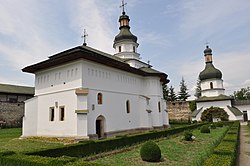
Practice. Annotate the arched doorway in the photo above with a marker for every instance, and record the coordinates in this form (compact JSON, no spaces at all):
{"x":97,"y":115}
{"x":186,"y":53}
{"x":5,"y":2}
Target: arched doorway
{"x":100,"y":126}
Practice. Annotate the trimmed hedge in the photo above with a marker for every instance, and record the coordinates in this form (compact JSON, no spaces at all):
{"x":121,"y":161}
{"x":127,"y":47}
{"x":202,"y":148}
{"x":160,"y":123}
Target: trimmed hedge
{"x":95,"y":147}
{"x":9,"y":159}
{"x":225,"y":153}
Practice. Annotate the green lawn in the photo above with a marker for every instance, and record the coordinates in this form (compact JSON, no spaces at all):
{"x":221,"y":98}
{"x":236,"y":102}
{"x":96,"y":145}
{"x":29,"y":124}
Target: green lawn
{"x":9,"y":141}
{"x":174,"y":151}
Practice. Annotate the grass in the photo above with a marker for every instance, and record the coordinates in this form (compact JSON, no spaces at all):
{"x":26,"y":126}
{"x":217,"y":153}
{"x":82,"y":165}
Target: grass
{"x":175,"y":151}
{"x":9,"y":141}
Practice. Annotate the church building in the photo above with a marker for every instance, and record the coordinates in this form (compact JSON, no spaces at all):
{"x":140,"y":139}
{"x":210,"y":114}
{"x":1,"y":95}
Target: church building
{"x":213,"y":92}
{"x":84,"y":93}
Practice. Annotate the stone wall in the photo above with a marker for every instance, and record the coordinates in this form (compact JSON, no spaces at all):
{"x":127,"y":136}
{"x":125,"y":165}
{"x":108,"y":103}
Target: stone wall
{"x":178,"y":110}
{"x":11,"y":114}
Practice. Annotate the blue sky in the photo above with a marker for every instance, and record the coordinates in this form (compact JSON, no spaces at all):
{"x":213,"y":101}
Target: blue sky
{"x":172,"y":35}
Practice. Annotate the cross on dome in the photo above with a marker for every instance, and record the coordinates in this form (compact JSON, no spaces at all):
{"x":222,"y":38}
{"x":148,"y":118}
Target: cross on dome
{"x":123,"y":7}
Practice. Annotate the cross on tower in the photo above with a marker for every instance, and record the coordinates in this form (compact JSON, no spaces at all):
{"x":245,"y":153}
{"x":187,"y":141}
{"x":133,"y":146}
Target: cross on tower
{"x":123,"y":7}
{"x":84,"y":36}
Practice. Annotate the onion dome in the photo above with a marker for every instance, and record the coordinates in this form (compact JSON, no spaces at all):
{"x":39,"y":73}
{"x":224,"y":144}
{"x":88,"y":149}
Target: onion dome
{"x":210,"y":72}
{"x":125,"y":33}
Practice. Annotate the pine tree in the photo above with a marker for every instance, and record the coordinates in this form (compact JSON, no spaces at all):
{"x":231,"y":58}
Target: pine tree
{"x":165,"y":91}
{"x":183,"y":93}
{"x":172,"y":95}
{"x":198,"y":89}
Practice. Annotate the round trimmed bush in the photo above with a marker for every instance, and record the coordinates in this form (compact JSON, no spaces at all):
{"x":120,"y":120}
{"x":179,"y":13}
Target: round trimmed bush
{"x":188,"y":136}
{"x":205,"y":129}
{"x":151,"y":152}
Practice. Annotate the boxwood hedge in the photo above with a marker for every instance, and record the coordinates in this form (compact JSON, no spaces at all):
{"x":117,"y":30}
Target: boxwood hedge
{"x":225,"y":153}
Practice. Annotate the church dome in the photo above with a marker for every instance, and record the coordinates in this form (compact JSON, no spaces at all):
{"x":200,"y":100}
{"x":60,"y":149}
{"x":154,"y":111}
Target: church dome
{"x":208,"y":51}
{"x":125,"y":34}
{"x":210,"y":72}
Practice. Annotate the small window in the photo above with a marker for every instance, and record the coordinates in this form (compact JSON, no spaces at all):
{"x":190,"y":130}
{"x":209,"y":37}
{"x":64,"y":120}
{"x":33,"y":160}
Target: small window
{"x":133,"y":48}
{"x":51,"y":113}
{"x":159,"y":106}
{"x":62,"y":113}
{"x":99,"y":98}
{"x":211,"y":85}
{"x":128,"y":106}
{"x":120,"y":49}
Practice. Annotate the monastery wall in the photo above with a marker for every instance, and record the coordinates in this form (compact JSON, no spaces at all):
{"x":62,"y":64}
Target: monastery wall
{"x":178,"y":110}
{"x":11,"y":114}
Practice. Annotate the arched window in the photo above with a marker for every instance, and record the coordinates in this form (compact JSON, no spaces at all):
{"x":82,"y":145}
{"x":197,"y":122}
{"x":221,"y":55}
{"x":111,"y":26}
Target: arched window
{"x":211,"y":85}
{"x":128,"y":106}
{"x":159,"y":106}
{"x":120,"y":49}
{"x":133,"y":48}
{"x":99,"y":98}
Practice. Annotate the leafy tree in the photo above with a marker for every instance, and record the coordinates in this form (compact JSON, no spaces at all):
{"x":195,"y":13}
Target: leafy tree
{"x":192,"y":105}
{"x":172,"y":95}
{"x":242,"y":94}
{"x":165,"y":92}
{"x":214,"y":112}
{"x":198,"y":89}
{"x":183,"y":93}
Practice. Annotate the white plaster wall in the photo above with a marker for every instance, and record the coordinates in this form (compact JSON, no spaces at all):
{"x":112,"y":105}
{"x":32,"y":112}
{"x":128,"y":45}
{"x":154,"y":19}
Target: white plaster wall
{"x":217,"y":87}
{"x":65,"y":128}
{"x":30,"y":118}
{"x":116,"y":86}
{"x":60,"y":78}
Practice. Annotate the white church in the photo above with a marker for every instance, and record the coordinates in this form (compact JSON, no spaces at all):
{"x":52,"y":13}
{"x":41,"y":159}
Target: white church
{"x":213,"y":92}
{"x":83,"y":93}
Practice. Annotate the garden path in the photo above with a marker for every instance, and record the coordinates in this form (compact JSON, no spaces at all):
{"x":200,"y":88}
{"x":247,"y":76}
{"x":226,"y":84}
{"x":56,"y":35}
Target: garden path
{"x":244,"y":151}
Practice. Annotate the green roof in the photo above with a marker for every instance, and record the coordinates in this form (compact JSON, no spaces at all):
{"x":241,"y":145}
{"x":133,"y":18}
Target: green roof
{"x":235,"y":111}
{"x":216,"y":98}
{"x":15,"y":89}
{"x":210,"y":72}
{"x":196,"y":112}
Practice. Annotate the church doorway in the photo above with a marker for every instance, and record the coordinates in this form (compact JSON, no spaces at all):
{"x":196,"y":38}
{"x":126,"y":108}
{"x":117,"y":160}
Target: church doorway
{"x":245,"y":117}
{"x":100,"y":122}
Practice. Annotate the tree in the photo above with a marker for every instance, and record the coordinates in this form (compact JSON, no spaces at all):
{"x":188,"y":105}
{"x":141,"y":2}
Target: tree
{"x":165,"y":91}
{"x":183,"y":93}
{"x":172,"y":95}
{"x":198,"y":89}
{"x":242,"y":94}
{"x":214,"y":112}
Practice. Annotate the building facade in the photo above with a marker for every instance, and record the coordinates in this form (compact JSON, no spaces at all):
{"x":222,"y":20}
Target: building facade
{"x":85,"y":93}
{"x":212,"y":91}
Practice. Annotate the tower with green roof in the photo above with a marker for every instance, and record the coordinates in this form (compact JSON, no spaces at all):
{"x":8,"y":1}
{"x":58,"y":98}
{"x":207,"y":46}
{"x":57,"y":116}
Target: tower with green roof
{"x":211,"y":78}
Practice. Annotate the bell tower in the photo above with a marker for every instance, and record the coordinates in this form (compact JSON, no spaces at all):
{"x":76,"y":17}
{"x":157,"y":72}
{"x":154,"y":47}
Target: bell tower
{"x":125,"y":43}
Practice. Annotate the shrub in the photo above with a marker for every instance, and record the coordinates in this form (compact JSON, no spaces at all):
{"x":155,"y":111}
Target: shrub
{"x":150,"y":151}
{"x":213,"y":126}
{"x":194,"y":121}
{"x":205,"y":129}
{"x":219,"y":124}
{"x":188,"y":136}
{"x":214,"y":112}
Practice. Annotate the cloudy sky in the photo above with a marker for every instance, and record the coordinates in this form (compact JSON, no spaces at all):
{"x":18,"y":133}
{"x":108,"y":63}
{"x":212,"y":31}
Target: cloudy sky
{"x":172,"y":35}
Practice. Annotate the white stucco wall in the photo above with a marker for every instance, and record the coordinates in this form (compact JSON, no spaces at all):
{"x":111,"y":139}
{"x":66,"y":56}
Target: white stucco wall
{"x":30,"y":118}
{"x":57,"y":86}
{"x":217,"y":87}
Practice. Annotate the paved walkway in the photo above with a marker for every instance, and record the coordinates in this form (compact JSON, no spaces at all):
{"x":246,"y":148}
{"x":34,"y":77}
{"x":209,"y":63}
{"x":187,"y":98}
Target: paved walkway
{"x":244,"y":159}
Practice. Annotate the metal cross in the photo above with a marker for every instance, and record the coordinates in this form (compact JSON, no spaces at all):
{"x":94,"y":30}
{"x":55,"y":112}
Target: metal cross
{"x":207,"y":43}
{"x":123,"y":6}
{"x":84,"y":36}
